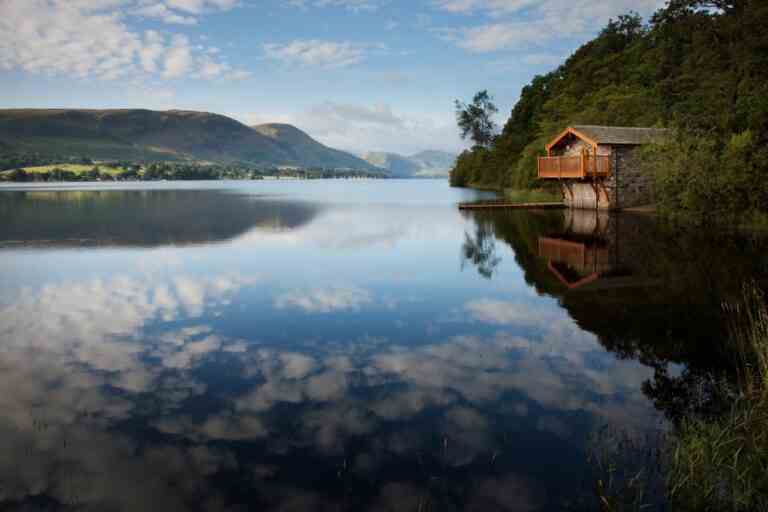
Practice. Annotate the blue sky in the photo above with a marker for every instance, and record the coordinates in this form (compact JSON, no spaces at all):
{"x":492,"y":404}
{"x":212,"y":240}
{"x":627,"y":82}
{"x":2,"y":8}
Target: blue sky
{"x":359,"y":75}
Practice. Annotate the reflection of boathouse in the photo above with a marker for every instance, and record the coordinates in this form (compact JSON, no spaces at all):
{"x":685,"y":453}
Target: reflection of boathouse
{"x":597,"y":166}
{"x":583,"y":252}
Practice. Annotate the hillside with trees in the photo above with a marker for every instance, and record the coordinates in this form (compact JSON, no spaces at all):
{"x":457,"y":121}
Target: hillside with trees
{"x":139,"y":135}
{"x":699,"y":67}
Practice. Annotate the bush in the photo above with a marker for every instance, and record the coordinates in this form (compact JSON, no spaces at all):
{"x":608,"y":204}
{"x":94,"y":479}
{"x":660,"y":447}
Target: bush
{"x":697,"y":179}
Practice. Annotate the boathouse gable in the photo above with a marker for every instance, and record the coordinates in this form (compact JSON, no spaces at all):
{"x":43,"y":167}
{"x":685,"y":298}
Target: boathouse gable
{"x":599,"y":167}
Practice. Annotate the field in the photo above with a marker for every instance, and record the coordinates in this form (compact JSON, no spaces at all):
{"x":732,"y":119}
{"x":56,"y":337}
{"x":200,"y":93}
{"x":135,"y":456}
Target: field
{"x":76,"y":168}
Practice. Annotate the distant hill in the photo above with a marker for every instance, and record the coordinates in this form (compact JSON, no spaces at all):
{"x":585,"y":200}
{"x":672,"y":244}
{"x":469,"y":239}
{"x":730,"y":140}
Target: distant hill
{"x":399,"y":166}
{"x":434,"y":163}
{"x":163,"y":135}
{"x":305,"y":150}
{"x":426,"y":164}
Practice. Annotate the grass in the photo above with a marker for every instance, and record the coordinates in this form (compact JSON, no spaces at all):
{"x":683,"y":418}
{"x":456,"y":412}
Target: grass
{"x":706,"y":463}
{"x":721,"y":464}
{"x":532,"y":196}
{"x":627,"y":470}
{"x":76,"y":168}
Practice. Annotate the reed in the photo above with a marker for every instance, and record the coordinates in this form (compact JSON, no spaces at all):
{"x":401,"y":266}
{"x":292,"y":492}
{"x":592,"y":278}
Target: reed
{"x":722,"y":463}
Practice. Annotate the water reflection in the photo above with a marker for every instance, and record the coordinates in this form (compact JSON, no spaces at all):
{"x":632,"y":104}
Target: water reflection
{"x":137,"y":381}
{"x":342,"y":362}
{"x":141,"y":217}
{"x":648,"y":292}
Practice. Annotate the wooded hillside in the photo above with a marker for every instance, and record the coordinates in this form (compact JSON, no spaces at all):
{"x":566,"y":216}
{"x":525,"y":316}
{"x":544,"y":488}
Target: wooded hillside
{"x":700,"y":67}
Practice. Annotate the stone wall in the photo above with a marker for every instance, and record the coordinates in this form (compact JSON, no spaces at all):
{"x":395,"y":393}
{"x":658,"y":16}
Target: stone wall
{"x":628,"y":186}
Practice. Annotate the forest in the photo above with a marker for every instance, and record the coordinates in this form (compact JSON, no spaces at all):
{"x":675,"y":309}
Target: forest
{"x":698,"y":67}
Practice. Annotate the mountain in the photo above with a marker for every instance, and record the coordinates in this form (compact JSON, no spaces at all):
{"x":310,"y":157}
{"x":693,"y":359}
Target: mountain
{"x":399,"y":166}
{"x":434,"y":163}
{"x":129,"y":134}
{"x":426,"y":164}
{"x":302,"y":148}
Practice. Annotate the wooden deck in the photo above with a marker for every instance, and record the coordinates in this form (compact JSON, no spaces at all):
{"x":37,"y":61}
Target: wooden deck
{"x":507,"y":205}
{"x":579,"y":167}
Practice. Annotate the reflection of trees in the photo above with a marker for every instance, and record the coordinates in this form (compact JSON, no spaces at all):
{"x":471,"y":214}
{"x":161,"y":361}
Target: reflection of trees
{"x":142,"y":217}
{"x":665,"y":307}
{"x":480,"y":250}
{"x":518,"y":230}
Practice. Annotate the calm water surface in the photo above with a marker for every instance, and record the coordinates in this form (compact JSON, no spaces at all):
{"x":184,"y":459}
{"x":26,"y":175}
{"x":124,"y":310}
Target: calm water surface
{"x":335,"y":345}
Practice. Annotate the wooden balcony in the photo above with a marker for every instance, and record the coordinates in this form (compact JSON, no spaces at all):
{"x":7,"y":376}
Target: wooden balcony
{"x":577,"y":255}
{"x":578,"y":167}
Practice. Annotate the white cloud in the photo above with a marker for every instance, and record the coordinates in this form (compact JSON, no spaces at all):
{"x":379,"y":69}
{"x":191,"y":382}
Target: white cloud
{"x":315,"y":52}
{"x":95,"y":323}
{"x":325,"y":300}
{"x":499,"y":36}
{"x":493,"y":6}
{"x":498,"y":312}
{"x":522,"y":23}
{"x":352,"y":5}
{"x":378,"y":127}
{"x":199,"y":6}
{"x":161,"y":12}
{"x":151,"y":51}
{"x":94,"y":39}
{"x":178,"y":58}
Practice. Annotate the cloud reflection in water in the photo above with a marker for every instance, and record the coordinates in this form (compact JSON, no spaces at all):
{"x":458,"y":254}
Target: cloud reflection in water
{"x":88,"y":359}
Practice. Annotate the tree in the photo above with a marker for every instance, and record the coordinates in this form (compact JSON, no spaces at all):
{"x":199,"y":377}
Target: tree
{"x":475,"y":120}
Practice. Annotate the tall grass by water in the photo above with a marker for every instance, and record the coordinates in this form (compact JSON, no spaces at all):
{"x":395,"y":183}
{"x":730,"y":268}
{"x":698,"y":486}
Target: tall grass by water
{"x":722,"y":463}
{"x":704,"y":463}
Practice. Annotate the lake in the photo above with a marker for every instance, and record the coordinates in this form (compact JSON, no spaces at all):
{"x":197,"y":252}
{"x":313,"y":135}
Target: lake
{"x":338,"y":345}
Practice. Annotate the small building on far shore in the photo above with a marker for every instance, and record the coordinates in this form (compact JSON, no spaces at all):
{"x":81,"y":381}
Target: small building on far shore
{"x":597,"y":166}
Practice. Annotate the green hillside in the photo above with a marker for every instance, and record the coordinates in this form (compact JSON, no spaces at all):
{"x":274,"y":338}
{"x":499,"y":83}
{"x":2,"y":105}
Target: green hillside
{"x":305,"y":150}
{"x":145,"y":135}
{"x":700,"y":67}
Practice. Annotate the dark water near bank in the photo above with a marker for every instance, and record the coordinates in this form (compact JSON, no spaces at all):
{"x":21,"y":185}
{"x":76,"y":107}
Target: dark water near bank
{"x":338,"y":345}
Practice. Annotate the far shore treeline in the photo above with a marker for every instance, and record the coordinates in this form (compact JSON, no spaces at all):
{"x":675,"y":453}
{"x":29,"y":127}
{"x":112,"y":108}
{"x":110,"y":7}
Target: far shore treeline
{"x":699,"y":67}
{"x":41,"y":169}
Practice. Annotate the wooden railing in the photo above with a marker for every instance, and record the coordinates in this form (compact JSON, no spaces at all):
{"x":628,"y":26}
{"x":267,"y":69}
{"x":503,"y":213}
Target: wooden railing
{"x":577,"y":255}
{"x":581,"y":166}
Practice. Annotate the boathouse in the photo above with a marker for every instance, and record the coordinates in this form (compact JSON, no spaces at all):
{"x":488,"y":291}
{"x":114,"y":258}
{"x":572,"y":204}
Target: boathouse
{"x":598,"y":166}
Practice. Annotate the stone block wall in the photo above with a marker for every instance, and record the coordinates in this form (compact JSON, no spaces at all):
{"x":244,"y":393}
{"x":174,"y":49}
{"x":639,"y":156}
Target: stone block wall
{"x":628,"y":186}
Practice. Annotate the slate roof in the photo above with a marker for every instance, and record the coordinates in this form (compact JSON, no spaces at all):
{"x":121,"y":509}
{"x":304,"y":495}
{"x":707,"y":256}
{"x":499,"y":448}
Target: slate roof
{"x":622,"y":135}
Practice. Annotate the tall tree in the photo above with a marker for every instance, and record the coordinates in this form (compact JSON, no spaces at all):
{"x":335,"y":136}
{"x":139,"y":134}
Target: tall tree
{"x":475,"y":120}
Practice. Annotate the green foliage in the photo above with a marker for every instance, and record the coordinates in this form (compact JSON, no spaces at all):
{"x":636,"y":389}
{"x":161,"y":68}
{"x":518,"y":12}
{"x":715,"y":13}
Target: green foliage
{"x":700,"y":66}
{"x":532,"y":195}
{"x":126,"y":171}
{"x":698,"y":179}
{"x":470,"y":168}
{"x":476,"y":119}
